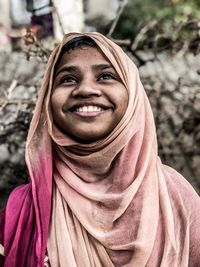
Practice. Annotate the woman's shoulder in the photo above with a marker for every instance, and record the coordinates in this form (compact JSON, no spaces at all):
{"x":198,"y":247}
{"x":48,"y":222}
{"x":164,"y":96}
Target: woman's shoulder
{"x":16,"y":200}
{"x":13,"y":205}
{"x":185,"y":201}
{"x":20,"y":191}
{"x":17,"y":197}
{"x":180,"y":188}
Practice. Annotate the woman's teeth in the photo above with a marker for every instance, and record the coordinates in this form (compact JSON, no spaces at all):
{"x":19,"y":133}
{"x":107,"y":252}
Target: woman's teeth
{"x":89,"y":109}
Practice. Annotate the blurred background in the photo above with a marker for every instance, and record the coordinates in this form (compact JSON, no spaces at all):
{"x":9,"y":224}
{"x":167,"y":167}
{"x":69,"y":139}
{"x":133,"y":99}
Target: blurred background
{"x":161,"y":37}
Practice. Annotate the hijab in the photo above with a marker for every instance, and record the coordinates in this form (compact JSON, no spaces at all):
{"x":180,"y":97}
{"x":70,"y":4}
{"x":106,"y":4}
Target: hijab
{"x":107,"y":203}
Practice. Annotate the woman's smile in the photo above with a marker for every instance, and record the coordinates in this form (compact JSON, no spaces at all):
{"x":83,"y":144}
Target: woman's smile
{"x":88,"y":98}
{"x":89,"y":111}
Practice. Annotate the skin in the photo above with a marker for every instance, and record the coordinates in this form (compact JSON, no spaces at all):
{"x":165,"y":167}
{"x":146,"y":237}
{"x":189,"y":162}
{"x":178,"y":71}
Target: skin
{"x":84,"y":78}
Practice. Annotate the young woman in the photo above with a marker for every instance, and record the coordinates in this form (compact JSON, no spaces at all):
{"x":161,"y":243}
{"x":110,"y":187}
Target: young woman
{"x":98,"y":195}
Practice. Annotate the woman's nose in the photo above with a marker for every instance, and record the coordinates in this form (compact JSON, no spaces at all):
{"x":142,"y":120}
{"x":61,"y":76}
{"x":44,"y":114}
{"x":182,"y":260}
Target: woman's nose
{"x":86,"y":89}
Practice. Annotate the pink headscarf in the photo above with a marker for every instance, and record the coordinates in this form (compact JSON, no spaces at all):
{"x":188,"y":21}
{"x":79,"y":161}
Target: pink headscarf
{"x":116,"y":205}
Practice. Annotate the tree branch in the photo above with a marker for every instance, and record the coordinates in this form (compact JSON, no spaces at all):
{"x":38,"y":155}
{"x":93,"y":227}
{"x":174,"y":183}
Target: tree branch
{"x":114,"y":24}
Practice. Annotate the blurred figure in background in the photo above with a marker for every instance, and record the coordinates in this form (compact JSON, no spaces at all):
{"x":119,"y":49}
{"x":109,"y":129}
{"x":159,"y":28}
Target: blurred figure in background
{"x":46,"y":18}
{"x":5,"y":25}
{"x":55,"y":18}
{"x":41,"y":18}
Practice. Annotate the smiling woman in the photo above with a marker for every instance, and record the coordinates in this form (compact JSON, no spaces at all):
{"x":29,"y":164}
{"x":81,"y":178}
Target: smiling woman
{"x":98,"y":196}
{"x":88,"y":98}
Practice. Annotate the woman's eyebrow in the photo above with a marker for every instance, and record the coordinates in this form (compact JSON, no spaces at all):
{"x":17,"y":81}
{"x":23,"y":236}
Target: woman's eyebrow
{"x":102,"y":66}
{"x":72,"y":68}
{"x":67,"y":68}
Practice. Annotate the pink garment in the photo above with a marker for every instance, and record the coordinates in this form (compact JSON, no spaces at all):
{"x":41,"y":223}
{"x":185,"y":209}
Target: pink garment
{"x":117,"y":200}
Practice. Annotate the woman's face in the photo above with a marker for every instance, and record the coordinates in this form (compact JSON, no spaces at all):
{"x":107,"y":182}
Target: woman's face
{"x":88,"y":98}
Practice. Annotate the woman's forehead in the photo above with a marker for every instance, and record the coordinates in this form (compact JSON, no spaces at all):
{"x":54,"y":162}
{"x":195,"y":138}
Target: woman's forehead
{"x":107,"y":48}
{"x":84,"y":55}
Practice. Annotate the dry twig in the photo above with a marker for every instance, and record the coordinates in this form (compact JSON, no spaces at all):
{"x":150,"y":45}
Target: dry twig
{"x":34,"y":48}
{"x":120,"y":11}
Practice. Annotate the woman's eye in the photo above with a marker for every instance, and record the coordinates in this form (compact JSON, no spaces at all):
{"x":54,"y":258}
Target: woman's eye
{"x":106,"y":76}
{"x":69,"y":80}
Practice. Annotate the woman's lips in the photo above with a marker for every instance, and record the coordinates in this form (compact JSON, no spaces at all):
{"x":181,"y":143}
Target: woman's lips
{"x":88,"y":114}
{"x":89,"y":110}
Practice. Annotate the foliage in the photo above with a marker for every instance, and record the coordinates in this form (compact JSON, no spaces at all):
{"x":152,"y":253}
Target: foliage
{"x":169,"y":14}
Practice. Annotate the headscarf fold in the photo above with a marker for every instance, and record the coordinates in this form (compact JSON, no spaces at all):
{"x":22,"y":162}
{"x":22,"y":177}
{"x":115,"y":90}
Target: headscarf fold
{"x":110,"y":204}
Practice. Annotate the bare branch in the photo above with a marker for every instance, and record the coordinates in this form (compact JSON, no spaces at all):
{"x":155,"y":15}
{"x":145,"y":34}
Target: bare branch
{"x":123,"y":43}
{"x":11,"y":88}
{"x":114,"y":24}
{"x":59,"y":20}
{"x":141,"y":35}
